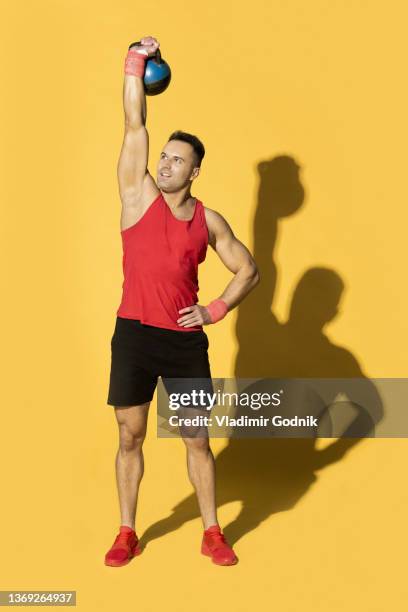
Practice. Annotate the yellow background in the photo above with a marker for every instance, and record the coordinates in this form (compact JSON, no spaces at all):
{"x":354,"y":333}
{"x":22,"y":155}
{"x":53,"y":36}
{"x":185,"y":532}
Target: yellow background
{"x":320,"y":84}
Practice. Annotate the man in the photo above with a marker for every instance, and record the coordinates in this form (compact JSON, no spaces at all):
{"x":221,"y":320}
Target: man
{"x":165,"y":233}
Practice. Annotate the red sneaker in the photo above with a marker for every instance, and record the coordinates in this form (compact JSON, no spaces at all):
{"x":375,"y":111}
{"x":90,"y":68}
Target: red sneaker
{"x":125,"y":547}
{"x":215,"y":546}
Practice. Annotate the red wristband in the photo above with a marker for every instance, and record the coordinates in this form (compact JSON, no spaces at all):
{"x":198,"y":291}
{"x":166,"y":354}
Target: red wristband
{"x":217,"y":310}
{"x":135,"y":63}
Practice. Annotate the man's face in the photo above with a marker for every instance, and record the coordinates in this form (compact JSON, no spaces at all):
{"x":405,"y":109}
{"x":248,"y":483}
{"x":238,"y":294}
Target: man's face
{"x":176,"y":166}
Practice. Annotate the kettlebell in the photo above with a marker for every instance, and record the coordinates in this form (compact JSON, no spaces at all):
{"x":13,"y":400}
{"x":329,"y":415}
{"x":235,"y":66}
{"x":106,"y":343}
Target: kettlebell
{"x":157,"y":73}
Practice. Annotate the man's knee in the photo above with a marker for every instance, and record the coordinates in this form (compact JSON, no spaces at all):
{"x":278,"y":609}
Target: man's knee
{"x":132,"y":422}
{"x":197,"y":444}
{"x":131,"y":439}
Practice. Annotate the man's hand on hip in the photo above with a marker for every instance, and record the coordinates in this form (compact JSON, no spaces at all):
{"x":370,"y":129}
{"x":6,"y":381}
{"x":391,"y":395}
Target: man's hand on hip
{"x":197,"y":315}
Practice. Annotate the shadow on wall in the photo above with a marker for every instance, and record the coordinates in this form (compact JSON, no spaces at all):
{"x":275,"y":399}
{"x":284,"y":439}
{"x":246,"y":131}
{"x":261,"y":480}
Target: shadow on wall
{"x":269,"y":475}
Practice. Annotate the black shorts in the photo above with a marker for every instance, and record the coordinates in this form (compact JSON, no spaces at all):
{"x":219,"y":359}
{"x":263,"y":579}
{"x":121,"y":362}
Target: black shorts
{"x":141,"y":353}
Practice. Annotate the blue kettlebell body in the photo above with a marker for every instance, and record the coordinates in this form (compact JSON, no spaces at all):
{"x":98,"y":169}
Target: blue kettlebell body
{"x":157,"y":76}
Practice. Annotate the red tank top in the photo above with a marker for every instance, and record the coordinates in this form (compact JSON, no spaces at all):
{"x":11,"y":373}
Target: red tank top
{"x":160,"y":265}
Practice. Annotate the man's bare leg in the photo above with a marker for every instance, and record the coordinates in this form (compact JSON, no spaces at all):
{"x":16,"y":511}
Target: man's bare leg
{"x":132,"y":422}
{"x":201,"y":471}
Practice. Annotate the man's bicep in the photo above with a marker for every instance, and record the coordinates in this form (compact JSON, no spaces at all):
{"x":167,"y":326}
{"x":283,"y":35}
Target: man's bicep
{"x":132,"y":164}
{"x":232,"y":252}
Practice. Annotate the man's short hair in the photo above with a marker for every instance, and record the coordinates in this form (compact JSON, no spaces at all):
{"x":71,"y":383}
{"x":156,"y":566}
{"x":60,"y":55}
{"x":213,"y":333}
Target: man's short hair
{"x":193,"y":140}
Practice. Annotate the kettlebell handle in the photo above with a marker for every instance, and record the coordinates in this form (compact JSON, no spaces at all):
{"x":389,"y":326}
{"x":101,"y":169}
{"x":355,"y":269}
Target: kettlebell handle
{"x":157,"y":57}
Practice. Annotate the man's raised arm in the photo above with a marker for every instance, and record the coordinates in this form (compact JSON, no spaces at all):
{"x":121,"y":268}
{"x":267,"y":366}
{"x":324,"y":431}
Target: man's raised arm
{"x":133,"y":159}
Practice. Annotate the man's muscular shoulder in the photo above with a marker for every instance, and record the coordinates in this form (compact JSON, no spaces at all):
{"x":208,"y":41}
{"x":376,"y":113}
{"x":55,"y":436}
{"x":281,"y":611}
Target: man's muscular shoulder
{"x":216,"y":224}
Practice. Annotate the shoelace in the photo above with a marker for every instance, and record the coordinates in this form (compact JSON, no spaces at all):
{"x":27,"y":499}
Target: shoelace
{"x":123,"y":538}
{"x":216,"y":538}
